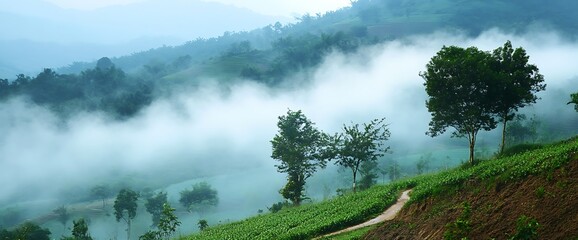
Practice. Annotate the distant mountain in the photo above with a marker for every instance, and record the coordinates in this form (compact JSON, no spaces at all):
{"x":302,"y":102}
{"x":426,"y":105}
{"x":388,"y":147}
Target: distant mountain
{"x":81,"y":35}
{"x":283,"y":49}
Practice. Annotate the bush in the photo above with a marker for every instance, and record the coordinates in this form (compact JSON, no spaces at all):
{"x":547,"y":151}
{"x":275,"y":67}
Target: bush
{"x":526,"y":229}
{"x":520,"y":148}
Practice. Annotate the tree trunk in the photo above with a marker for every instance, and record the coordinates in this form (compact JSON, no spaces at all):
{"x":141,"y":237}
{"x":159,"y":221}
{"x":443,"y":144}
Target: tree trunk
{"x":128,"y":230}
{"x":472,"y":139}
{"x":354,"y":180}
{"x":503,"y":136}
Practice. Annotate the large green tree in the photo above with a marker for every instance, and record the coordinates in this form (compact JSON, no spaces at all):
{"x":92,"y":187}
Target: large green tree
{"x":516,"y":84}
{"x":459,"y":82}
{"x":298,"y":148}
{"x":154,"y":206}
{"x":125,"y":207}
{"x":356,"y":145}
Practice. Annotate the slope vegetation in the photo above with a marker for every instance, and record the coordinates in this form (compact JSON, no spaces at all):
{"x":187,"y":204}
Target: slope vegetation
{"x":497,"y":209}
{"x":540,"y":184}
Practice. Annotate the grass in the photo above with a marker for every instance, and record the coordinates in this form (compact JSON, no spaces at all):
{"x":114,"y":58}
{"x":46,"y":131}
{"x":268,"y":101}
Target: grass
{"x":316,"y":219}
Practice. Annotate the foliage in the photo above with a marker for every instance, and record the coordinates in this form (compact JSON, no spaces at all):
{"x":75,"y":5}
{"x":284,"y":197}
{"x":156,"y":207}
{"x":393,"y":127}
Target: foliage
{"x":356,"y":146}
{"x":26,"y":231}
{"x":309,"y":220}
{"x":517,"y":83}
{"x":125,"y":207}
{"x":276,"y":207}
{"x":459,"y":82}
{"x":312,"y":220}
{"x":298,"y":146}
{"x":62,"y":215}
{"x":520,"y":148}
{"x":80,"y":231}
{"x":521,"y":130}
{"x":203,"y":224}
{"x":201,"y":196}
{"x":101,"y":192}
{"x":461,"y":228}
{"x":368,"y":171}
{"x":393,"y":171}
{"x":154,"y":206}
{"x":545,"y":159}
{"x":91,"y":90}
{"x":574,"y":100}
{"x":526,"y":229}
{"x":423,"y":163}
{"x":167,"y":226}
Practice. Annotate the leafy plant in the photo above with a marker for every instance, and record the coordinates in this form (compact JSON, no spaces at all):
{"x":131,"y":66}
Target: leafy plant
{"x":461,"y":228}
{"x":540,"y":192}
{"x":526,"y":229}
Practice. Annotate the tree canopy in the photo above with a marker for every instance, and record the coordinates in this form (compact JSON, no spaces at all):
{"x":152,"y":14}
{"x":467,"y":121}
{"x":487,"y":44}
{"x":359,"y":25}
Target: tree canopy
{"x":298,"y":146}
{"x":516,"y":84}
{"x":154,"y":206}
{"x":125,"y":207}
{"x":201,"y":196}
{"x":458,"y":82}
{"x":356,"y":146}
{"x":469,"y":89}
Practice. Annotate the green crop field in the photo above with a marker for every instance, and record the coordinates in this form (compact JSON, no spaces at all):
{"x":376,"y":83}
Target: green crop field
{"x":316,"y":219}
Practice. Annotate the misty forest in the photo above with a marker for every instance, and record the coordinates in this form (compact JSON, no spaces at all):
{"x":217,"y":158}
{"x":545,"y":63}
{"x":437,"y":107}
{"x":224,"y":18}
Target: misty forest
{"x":233,"y":124}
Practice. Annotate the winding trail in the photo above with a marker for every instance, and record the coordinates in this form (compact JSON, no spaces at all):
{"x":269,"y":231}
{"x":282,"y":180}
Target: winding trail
{"x":388,"y":215}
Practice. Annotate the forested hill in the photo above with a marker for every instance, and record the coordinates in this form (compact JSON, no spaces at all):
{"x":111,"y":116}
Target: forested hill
{"x":367,"y":21}
{"x":271,"y":53}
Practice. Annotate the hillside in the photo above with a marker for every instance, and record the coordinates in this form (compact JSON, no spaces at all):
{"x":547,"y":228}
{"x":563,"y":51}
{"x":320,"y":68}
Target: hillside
{"x":540,"y":184}
{"x":365,"y":22}
{"x":550,"y":198}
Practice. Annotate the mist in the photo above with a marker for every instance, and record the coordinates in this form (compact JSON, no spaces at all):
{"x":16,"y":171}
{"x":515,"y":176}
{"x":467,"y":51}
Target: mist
{"x":221,"y":134}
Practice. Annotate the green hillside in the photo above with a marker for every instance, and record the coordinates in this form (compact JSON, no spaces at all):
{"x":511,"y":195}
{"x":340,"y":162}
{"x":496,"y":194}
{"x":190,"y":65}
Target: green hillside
{"x":365,"y":22}
{"x":312,"y":220}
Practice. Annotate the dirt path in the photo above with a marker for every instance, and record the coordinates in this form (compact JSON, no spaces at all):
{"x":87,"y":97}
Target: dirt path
{"x":389,"y":214}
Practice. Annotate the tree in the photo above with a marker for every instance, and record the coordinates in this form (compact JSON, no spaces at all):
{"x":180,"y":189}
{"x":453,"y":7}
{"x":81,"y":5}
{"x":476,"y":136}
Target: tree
{"x":201,"y":196}
{"x":458,"y":82}
{"x":62,"y":215}
{"x":298,"y":147}
{"x":423,"y":163}
{"x":104,"y":64}
{"x":516,"y":85}
{"x":357,"y":146}
{"x":574,"y":100}
{"x":203,"y":224}
{"x":101,"y":192}
{"x":31,"y":231}
{"x":167,"y":226}
{"x":80,"y":231}
{"x":521,"y":129}
{"x":125,"y":208}
{"x":154,"y":206}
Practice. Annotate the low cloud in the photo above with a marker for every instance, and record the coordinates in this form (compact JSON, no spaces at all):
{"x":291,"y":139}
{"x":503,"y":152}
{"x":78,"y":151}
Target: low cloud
{"x":209,"y":132}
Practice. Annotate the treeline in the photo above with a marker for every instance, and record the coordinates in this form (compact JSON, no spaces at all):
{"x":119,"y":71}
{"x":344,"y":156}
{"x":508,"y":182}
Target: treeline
{"x":103,"y":88}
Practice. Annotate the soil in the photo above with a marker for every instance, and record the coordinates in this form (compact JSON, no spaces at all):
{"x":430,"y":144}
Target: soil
{"x":550,"y":198}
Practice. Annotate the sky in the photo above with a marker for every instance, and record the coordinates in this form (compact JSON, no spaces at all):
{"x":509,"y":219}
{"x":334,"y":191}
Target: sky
{"x":286,"y":8}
